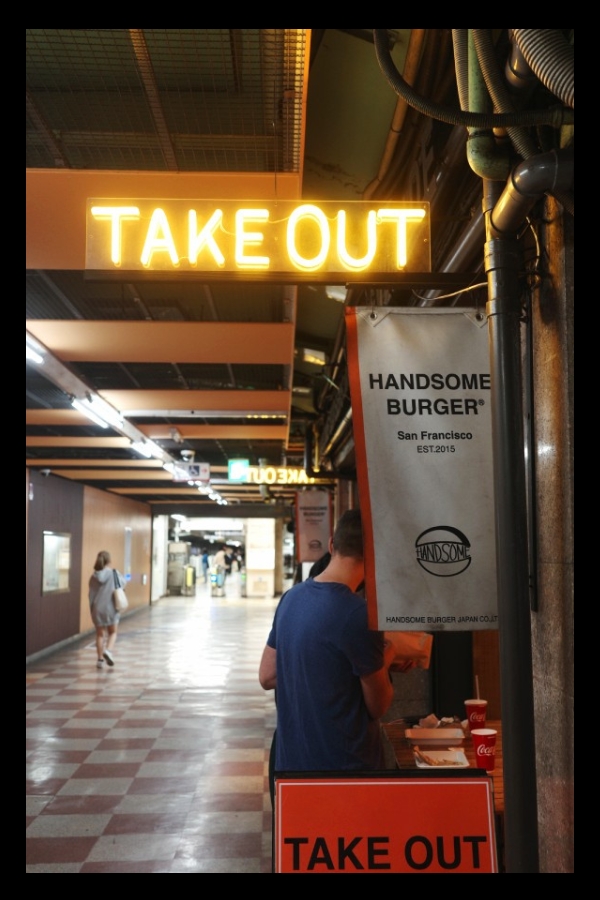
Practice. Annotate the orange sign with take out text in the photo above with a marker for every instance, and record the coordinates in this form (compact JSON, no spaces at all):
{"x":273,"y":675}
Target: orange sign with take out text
{"x":439,"y":823}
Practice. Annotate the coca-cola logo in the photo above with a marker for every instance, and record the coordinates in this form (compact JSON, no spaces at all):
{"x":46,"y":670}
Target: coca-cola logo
{"x":477,"y":717}
{"x":484,"y":750}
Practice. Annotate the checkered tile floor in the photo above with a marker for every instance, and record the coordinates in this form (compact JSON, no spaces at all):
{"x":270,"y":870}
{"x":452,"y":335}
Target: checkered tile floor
{"x":160,"y":763}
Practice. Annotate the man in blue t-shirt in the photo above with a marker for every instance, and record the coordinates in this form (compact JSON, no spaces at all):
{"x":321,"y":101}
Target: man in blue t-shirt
{"x":329,"y":670}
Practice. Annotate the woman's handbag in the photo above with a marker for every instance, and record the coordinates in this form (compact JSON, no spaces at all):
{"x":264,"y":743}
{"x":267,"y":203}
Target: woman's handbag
{"x":119,"y":596}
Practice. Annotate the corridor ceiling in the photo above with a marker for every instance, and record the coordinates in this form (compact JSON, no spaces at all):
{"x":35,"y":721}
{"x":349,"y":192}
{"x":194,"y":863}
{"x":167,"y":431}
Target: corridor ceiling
{"x":213,"y":371}
{"x":209,"y":371}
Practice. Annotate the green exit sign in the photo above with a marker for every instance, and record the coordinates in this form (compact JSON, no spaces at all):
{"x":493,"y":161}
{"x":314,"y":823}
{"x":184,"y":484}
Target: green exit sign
{"x":237,"y":469}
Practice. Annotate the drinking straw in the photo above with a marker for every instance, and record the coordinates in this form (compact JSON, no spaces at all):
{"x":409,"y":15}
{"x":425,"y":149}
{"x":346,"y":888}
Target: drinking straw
{"x":477,"y":687}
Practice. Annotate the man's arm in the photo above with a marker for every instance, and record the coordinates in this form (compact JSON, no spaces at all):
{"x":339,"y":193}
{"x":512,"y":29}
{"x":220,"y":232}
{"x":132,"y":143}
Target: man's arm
{"x":267,"y":671}
{"x":377,"y":687}
{"x":378,"y":692}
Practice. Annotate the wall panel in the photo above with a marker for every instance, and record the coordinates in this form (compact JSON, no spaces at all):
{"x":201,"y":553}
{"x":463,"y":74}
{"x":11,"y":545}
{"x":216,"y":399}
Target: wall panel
{"x":105,"y":517}
{"x":54,"y":504}
{"x":95,"y":520}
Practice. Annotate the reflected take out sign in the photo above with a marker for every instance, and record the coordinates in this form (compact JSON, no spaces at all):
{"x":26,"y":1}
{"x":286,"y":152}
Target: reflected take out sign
{"x":328,"y":240}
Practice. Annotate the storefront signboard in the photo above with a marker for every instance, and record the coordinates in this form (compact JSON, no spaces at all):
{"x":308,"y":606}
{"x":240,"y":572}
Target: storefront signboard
{"x":421,"y":410}
{"x":385,"y":825}
{"x":316,"y":241}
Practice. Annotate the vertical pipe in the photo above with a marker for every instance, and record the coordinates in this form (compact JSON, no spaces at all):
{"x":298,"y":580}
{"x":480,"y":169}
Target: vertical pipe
{"x":502,"y":263}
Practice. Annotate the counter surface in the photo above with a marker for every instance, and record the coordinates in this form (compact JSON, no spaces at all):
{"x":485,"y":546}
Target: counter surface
{"x":405,"y":759}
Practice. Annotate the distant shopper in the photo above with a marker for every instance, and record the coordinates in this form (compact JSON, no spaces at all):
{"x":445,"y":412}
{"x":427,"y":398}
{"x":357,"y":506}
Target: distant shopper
{"x":104,"y":616}
{"x":220,"y":564}
{"x":205,"y":565}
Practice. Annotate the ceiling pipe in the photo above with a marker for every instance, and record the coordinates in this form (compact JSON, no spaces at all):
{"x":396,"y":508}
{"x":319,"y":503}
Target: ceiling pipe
{"x":551,"y":172}
{"x":480,"y":39}
{"x":505,"y":214}
{"x":434,"y":78}
{"x":503,"y":264}
{"x":462,"y":256}
{"x":551,"y":57}
{"x":546,"y":173}
{"x":312,"y":455}
{"x":485,"y":157}
{"x":497,"y":89}
{"x":411,"y":66}
{"x":554,"y":116}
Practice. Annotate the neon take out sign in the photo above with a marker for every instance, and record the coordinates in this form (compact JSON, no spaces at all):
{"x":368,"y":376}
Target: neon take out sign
{"x":278,"y":240}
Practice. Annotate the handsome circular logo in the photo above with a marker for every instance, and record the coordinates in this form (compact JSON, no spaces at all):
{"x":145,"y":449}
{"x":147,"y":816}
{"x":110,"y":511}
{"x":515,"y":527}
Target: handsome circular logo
{"x":443,"y":551}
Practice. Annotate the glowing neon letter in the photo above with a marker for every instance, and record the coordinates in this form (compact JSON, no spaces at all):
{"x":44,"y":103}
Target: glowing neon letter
{"x":350,"y":261}
{"x":308,"y":211}
{"x":401,"y":216}
{"x":116,"y":215}
{"x":157,"y":244}
{"x":249,"y":237}
{"x":198,"y":240}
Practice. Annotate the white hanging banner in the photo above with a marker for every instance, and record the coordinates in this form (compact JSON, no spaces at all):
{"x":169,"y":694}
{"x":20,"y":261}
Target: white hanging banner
{"x":313,"y":525}
{"x":420,"y":391}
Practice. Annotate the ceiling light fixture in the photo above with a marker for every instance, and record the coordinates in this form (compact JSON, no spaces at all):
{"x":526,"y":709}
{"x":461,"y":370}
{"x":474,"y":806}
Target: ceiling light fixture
{"x":142,"y":448}
{"x":89,"y":403}
{"x":208,"y":413}
{"x":316,"y":357}
{"x":148,"y":449}
{"x":336,"y":292}
{"x":34,"y":351}
{"x":98,"y":411}
{"x":102,"y":410}
{"x":156,"y":451}
{"x":79,"y":406}
{"x":33,"y":355}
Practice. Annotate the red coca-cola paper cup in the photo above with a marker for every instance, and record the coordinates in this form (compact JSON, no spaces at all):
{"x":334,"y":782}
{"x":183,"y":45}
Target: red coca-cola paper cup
{"x":476,"y":712}
{"x":484,"y":744}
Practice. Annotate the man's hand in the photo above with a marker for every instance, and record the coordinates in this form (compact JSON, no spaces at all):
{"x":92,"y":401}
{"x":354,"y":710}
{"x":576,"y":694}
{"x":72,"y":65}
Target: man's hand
{"x":403,"y":665}
{"x":389,"y":653}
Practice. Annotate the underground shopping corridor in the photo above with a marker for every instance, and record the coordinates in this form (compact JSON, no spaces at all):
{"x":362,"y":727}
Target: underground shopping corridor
{"x":159,"y":763}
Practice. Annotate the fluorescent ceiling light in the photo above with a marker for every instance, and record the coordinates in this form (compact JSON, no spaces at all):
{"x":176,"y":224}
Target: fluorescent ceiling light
{"x":34,"y":351}
{"x":78,"y":405}
{"x":98,"y":411}
{"x":33,"y":355}
{"x":208,"y":414}
{"x":316,"y":357}
{"x":103,"y":409}
{"x":336,"y":292}
{"x":148,"y":449}
{"x":155,"y":451}
{"x":141,"y":448}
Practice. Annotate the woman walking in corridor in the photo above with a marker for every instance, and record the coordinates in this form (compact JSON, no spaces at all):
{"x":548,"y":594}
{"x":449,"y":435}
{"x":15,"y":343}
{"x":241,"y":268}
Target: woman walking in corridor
{"x":104,"y":615}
